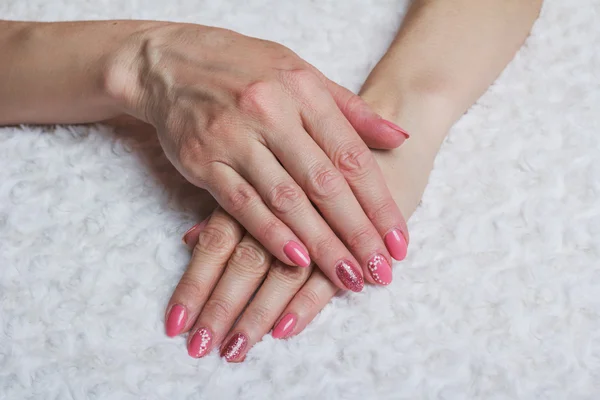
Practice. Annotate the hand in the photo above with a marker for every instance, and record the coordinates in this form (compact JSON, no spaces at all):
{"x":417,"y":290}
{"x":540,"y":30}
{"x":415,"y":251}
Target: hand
{"x":228,"y":266}
{"x":266,"y":134}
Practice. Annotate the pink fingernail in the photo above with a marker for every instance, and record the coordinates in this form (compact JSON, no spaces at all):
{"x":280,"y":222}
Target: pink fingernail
{"x":396,"y":244}
{"x":380,"y":269}
{"x":198,"y":226}
{"x":285,"y":326}
{"x":200,"y":343}
{"x":296,"y":254}
{"x":349,"y":275}
{"x":176,"y":320}
{"x":395,"y":127}
{"x":234,"y":348}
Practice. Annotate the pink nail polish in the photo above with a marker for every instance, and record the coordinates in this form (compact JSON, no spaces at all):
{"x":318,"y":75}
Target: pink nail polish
{"x":349,"y":275}
{"x":285,"y":326}
{"x":198,"y":226}
{"x":396,"y":244}
{"x":296,"y":254}
{"x":176,"y":320}
{"x":234,"y":348}
{"x":380,"y":269}
{"x":200,"y":343}
{"x":395,"y":127}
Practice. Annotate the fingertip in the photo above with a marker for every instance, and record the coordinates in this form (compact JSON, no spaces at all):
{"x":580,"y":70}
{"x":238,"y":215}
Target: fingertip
{"x":350,"y":276}
{"x":395,"y":128}
{"x":176,"y":320}
{"x":190,"y":238}
{"x":297,"y":254}
{"x":285,"y":327}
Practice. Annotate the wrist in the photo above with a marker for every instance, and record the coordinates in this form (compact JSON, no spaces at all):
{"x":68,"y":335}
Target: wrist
{"x":121,"y":73}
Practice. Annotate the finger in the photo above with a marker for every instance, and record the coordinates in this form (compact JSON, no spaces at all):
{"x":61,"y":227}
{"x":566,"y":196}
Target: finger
{"x":334,"y":134}
{"x":305,"y":306}
{"x":290,"y":204}
{"x":328,"y":189}
{"x":376,"y":132}
{"x":213,"y":247}
{"x":245,"y":271}
{"x":257,"y":320}
{"x":241,"y":200}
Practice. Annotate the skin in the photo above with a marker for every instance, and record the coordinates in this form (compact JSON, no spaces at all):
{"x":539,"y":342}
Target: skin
{"x":275,"y":142}
{"x":443,"y":58}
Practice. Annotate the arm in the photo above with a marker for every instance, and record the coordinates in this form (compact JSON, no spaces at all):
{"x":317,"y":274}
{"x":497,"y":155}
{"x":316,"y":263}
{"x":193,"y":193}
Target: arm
{"x":446,"y":54}
{"x":444,"y":57}
{"x":56,"y":71}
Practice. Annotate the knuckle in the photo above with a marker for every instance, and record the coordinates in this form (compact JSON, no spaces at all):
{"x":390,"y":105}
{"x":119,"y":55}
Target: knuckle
{"x":213,"y":239}
{"x":324,"y":182}
{"x":191,"y":287}
{"x":239,"y":198}
{"x":308,"y":298}
{"x":250,"y":258}
{"x":360,"y":237}
{"x":259,"y":98}
{"x":352,"y":104}
{"x":290,"y":277}
{"x":323,"y":247}
{"x":300,"y":77}
{"x":284,"y":197}
{"x":381,"y":211}
{"x":218,"y":309}
{"x":261,"y":316}
{"x":271,"y":230}
{"x":353,"y":159}
{"x":301,"y":81}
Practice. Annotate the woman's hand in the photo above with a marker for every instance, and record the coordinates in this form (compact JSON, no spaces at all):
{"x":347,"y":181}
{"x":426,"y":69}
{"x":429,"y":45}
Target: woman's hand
{"x":228,"y":266}
{"x":269,"y":137}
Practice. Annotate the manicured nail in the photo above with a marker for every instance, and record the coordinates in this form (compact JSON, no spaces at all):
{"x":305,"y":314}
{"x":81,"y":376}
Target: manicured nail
{"x":395,"y":127}
{"x":349,"y":275}
{"x":176,"y":320}
{"x":380,"y":269}
{"x":396,"y":244}
{"x":236,"y":345}
{"x":200,"y":343}
{"x":198,"y":226}
{"x":285,"y":326}
{"x":296,"y":254}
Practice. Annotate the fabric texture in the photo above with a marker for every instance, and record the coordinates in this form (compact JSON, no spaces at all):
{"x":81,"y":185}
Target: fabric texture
{"x":498,"y":298}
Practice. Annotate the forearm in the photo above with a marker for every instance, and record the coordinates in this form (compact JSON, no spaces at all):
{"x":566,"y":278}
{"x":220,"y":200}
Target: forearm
{"x":54,"y":72}
{"x":444,"y":57}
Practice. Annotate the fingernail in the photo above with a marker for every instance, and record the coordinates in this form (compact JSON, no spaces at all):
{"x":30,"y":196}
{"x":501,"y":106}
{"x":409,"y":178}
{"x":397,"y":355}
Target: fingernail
{"x":395,"y":127}
{"x":198,"y":226}
{"x":296,"y":254}
{"x":285,"y":326}
{"x":176,"y":320}
{"x":236,"y":345}
{"x":349,"y":275}
{"x":200,"y":343}
{"x":396,"y":244}
{"x":380,"y":269}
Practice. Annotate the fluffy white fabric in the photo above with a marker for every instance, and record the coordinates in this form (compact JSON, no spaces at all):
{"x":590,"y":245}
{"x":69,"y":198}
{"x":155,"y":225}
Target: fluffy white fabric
{"x":498,"y":298}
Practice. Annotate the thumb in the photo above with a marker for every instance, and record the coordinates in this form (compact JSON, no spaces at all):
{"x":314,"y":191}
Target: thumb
{"x":377,"y":133}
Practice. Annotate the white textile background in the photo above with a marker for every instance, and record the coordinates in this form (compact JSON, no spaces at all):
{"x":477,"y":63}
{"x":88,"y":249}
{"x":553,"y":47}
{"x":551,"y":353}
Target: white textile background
{"x":498,"y":299}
